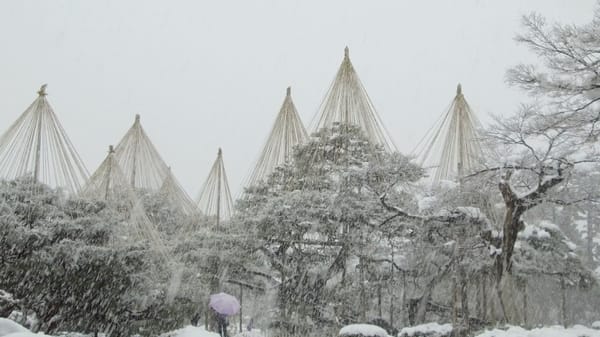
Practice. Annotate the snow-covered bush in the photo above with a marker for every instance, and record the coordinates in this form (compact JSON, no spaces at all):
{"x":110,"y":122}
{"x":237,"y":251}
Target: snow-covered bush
{"x":58,"y":261}
{"x":362,"y":330}
{"x":427,"y":330}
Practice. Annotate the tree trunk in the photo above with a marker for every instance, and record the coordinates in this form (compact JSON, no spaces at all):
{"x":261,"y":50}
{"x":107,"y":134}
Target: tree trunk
{"x":392,"y":298}
{"x":491,"y":303}
{"x":525,"y":303}
{"x":379,"y":300}
{"x":464,"y":287}
{"x":478,"y":296}
{"x":404,"y":311}
{"x":512,"y":226}
{"x":590,"y":235}
{"x":503,"y":263}
{"x":422,"y":306}
{"x":363,"y":295}
{"x":521,"y":307}
{"x":282,"y":302}
{"x":241,"y":305}
{"x":421,"y":309}
{"x":455,"y":300}
{"x":501,"y":300}
{"x":214,"y":287}
{"x":563,"y":306}
{"x":484,"y":299}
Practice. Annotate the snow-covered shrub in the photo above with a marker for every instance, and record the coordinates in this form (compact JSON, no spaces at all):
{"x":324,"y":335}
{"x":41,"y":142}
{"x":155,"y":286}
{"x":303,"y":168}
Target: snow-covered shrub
{"x":427,"y":330}
{"x":362,"y":330}
{"x":58,"y":261}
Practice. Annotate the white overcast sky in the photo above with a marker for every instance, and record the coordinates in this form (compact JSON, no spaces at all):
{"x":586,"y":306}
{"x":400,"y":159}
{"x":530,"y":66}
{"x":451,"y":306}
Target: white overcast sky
{"x":209,"y":74}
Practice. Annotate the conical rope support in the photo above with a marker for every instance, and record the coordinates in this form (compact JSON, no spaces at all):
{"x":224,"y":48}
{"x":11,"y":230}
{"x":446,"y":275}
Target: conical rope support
{"x":287,"y":133}
{"x":452,"y":148}
{"x":347,"y":103}
{"x":215,"y":198}
{"x":36,"y":145}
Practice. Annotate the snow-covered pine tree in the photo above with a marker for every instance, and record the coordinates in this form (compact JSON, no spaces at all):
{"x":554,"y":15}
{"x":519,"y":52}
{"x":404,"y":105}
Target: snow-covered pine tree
{"x":319,"y":224}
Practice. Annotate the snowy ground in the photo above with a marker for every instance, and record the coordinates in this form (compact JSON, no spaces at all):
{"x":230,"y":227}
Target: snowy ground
{"x":553,"y":331}
{"x":199,"y":331}
{"x":9,"y":328}
{"x":191,"y":331}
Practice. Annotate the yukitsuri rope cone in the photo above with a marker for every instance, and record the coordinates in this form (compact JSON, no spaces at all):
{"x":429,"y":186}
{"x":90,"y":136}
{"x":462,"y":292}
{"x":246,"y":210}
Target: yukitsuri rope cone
{"x":287,"y":132}
{"x":347,"y":103}
{"x":109,"y":184}
{"x":452,"y":147}
{"x":145,"y":169}
{"x":142,"y":164}
{"x":214,"y":199}
{"x":37,"y":146}
{"x":176,"y":195}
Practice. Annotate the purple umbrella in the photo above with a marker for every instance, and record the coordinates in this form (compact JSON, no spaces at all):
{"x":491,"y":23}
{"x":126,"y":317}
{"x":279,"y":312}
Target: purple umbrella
{"x":224,"y":304}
